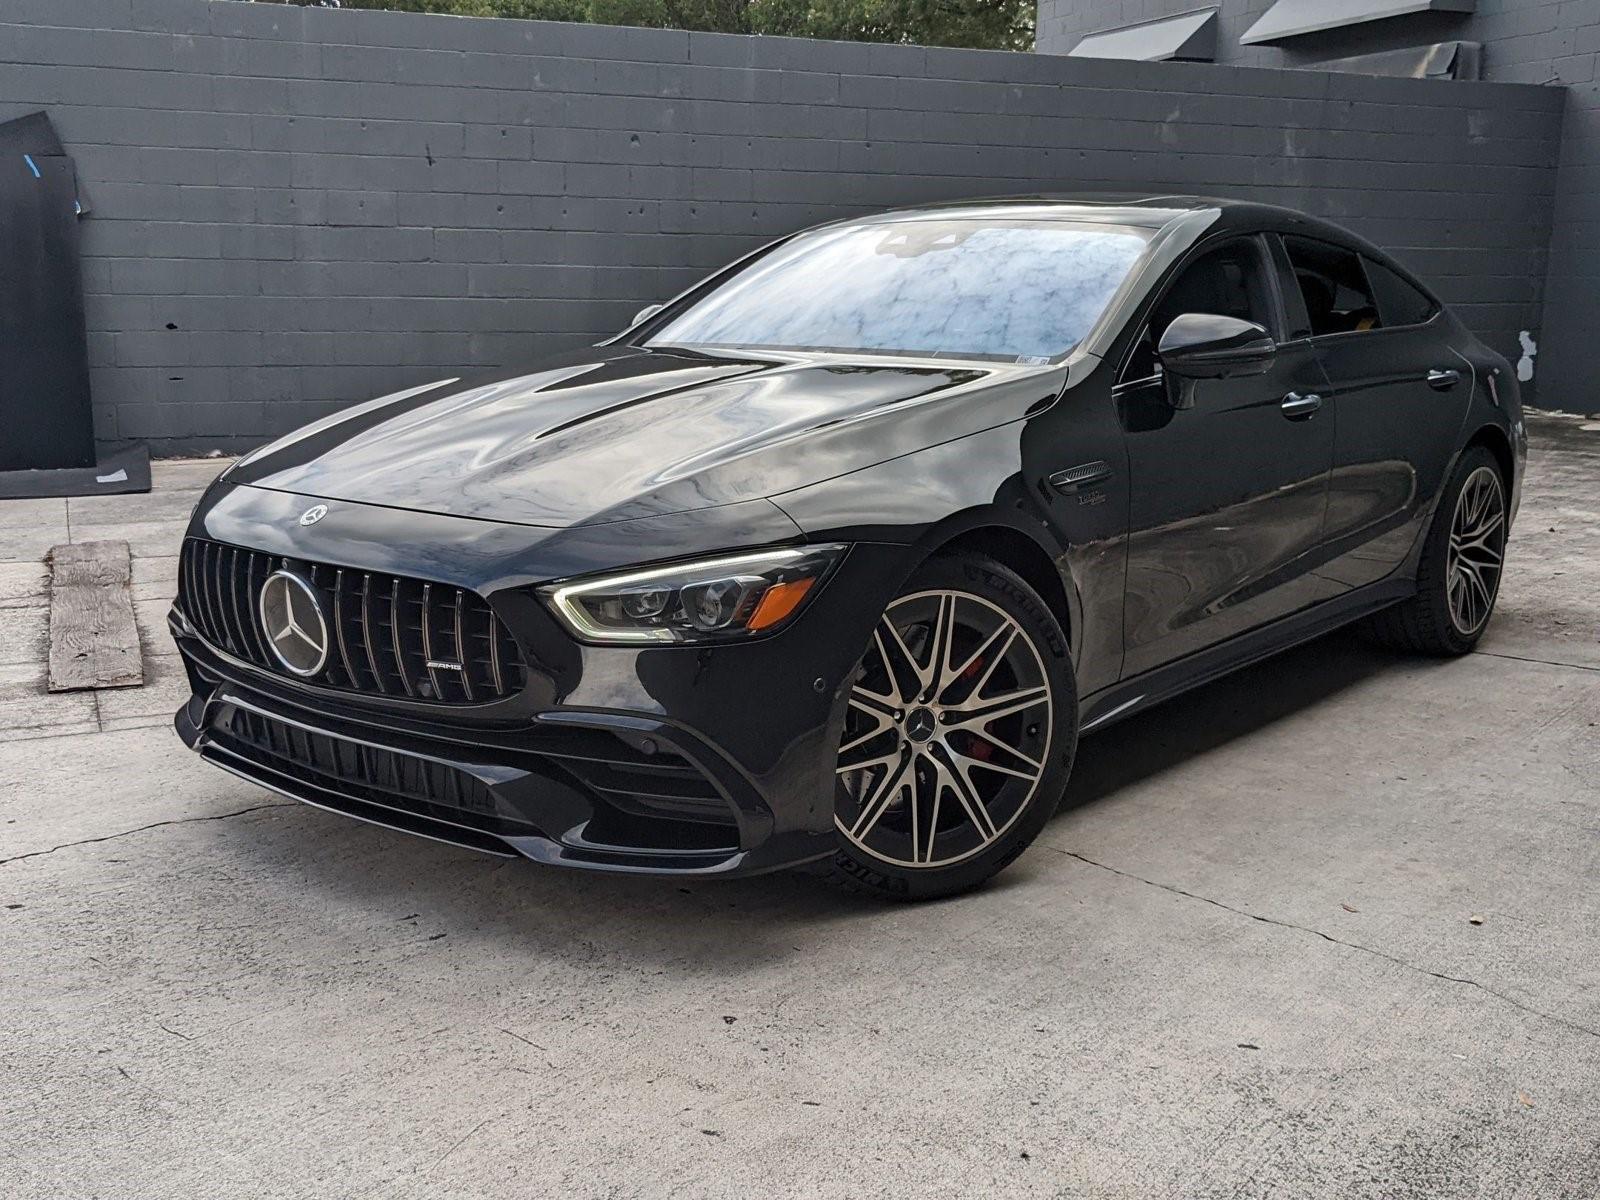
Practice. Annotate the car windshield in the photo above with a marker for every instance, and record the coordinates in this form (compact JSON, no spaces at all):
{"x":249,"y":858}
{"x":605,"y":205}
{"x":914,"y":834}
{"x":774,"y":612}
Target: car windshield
{"x":1011,"y":289}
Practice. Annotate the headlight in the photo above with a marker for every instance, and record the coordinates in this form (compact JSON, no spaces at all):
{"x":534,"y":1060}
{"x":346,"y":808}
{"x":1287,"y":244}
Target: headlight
{"x":720,"y":599}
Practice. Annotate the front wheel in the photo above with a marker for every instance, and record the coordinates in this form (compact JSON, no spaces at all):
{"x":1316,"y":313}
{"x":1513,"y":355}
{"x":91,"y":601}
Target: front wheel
{"x":959,"y":733}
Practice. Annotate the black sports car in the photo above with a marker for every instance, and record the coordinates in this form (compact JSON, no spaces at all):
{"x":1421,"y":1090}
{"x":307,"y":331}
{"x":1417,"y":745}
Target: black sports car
{"x":836,"y":555}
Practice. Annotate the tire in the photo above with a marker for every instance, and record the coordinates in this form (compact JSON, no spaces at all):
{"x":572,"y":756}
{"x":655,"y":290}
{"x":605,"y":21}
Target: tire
{"x":942,"y":783}
{"x":1458,"y":575}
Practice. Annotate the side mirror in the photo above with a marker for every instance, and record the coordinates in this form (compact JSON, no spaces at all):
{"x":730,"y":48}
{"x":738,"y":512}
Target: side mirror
{"x":645,"y":313}
{"x":1210,"y":346}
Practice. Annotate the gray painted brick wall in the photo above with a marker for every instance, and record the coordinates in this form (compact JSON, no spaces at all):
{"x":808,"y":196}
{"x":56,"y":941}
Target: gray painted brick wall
{"x":1550,"y":42}
{"x":298,"y":208}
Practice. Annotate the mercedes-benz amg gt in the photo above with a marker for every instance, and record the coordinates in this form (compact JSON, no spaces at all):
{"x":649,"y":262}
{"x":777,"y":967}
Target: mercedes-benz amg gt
{"x":835,"y":556}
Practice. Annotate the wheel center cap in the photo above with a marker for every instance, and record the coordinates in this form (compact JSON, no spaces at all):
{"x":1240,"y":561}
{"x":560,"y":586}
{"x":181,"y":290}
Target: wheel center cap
{"x":920,"y":724}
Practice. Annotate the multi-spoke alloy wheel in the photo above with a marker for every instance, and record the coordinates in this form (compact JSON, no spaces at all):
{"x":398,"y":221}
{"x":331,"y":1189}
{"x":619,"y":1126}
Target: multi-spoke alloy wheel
{"x":1458,"y":570}
{"x":948,"y":731}
{"x":1477,"y":546}
{"x":959,"y":728}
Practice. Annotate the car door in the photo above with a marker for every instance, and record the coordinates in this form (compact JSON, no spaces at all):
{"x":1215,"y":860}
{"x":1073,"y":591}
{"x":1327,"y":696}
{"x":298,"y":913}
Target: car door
{"x":1228,"y":491}
{"x":1396,"y":392}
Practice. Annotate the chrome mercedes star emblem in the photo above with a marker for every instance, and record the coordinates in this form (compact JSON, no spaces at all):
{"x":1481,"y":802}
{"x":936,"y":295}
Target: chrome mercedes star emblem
{"x":291,"y":614}
{"x":313,"y":514}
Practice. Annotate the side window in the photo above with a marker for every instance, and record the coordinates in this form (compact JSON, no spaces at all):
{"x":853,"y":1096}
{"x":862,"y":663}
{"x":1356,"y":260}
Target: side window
{"x":1399,"y":301}
{"x":1230,"y":281}
{"x":1334,"y":286}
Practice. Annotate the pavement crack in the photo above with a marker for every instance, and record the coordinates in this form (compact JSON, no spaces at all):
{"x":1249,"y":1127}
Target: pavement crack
{"x":111,"y":837}
{"x":1548,"y":662}
{"x":462,"y":1140}
{"x":1328,"y":937}
{"x":522,"y":1039}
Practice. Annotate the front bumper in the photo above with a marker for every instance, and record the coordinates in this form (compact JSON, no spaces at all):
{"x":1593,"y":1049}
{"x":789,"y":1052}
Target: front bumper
{"x":674,"y":759}
{"x":606,"y":791}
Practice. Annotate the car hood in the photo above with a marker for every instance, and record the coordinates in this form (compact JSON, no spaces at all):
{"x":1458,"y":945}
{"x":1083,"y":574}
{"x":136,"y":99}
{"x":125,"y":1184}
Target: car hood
{"x":618,"y":433}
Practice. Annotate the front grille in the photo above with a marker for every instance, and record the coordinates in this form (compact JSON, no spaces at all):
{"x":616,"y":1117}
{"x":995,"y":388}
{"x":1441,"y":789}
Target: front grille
{"x":639,"y":801}
{"x":392,"y":635}
{"x":371,"y":774}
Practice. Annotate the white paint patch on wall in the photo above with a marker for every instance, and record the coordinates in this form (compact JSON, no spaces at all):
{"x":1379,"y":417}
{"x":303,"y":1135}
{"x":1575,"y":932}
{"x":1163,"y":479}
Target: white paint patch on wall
{"x":1530,"y":350}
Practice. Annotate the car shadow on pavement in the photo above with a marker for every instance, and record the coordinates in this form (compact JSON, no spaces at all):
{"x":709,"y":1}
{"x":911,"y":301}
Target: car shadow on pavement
{"x":1218,"y":713}
{"x":690,"y":927}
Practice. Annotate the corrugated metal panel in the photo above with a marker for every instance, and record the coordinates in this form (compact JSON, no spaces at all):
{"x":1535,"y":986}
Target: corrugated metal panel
{"x":1445,"y":60}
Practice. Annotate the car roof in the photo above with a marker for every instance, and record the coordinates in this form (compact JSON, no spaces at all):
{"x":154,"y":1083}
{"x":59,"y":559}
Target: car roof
{"x":1175,"y":223}
{"x":1148,"y":210}
{"x":1188,"y":217}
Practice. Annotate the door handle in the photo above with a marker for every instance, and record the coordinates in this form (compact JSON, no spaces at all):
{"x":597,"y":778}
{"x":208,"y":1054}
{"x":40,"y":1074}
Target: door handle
{"x":1443,"y":381}
{"x":1298,"y":407}
{"x":1081,"y":476}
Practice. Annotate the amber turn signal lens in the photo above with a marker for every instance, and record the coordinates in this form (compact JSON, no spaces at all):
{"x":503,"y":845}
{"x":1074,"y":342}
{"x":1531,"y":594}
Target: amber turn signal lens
{"x":781,"y":600}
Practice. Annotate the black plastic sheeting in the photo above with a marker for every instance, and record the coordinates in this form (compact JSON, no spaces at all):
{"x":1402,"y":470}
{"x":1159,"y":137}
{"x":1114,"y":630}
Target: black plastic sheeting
{"x":45,"y":418}
{"x":126,"y":470}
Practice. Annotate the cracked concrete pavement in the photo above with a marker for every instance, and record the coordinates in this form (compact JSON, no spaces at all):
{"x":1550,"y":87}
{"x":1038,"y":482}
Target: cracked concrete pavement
{"x":1241,"y":962}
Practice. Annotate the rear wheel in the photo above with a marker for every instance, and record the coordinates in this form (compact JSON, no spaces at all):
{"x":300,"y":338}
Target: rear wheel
{"x":1458,"y":577}
{"x":959,"y":733}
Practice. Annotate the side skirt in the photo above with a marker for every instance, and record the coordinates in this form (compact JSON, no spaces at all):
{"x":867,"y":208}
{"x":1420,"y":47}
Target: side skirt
{"x":1123,"y":699}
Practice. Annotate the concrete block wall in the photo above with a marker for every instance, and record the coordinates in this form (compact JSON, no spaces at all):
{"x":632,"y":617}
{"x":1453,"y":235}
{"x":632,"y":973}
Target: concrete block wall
{"x":1555,"y":43}
{"x":295,"y":209}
